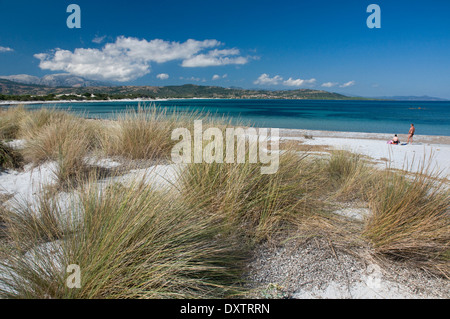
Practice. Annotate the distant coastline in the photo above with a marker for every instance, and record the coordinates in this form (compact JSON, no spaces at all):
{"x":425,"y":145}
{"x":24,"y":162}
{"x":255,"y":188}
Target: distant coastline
{"x":374,"y":116}
{"x":14,"y":91}
{"x":12,"y":102}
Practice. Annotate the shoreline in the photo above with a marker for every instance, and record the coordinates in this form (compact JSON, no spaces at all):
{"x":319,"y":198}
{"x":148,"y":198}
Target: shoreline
{"x":6,"y":103}
{"x":429,"y":153}
{"x":13,"y":102}
{"x":274,"y":270}
{"x":427,"y":139}
{"x":423,"y":139}
{"x":287,"y":132}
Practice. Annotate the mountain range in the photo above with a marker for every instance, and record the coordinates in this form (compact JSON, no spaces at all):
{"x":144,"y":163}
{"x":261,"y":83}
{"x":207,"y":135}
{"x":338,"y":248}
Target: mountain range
{"x":59,"y":84}
{"x":10,"y":90}
{"x":53,"y":80}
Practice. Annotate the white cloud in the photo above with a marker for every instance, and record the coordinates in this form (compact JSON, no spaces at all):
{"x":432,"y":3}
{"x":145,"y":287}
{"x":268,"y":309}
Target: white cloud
{"x":329,"y":84}
{"x":163,"y":76}
{"x":193,"y":79}
{"x":5,"y":49}
{"x":130,"y":58}
{"x":218,"y":77}
{"x":298,"y":82}
{"x":265,"y":79}
{"x":215,"y":58}
{"x":345,"y":85}
{"x":98,"y":39}
{"x":94,"y":64}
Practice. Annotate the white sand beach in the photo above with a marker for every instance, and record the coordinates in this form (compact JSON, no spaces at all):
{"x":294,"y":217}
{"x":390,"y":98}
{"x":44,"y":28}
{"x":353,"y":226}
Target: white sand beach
{"x":429,"y":150}
{"x":311,"y":270}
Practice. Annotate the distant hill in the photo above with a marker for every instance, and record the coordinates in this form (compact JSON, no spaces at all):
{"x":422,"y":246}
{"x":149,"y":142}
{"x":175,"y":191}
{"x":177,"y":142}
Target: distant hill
{"x":412,"y":98}
{"x":15,"y":88}
{"x":27,"y":92}
{"x":53,"y":80}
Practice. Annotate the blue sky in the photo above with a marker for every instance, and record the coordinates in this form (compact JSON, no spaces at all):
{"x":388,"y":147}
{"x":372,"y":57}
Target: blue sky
{"x":251,"y":44}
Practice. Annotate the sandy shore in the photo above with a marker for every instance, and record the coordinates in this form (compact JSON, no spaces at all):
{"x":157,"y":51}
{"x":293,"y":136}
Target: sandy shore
{"x":426,"y":149}
{"x":6,"y":103}
{"x":312,"y":269}
{"x":424,"y":139}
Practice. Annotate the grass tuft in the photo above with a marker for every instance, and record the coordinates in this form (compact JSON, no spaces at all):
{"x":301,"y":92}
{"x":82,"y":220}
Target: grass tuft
{"x":411,"y":221}
{"x":9,"y":158}
{"x":132,"y":242}
{"x":144,"y":133}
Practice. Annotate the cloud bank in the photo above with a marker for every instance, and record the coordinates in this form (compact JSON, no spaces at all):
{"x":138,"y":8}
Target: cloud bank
{"x":99,"y":39}
{"x":218,"y":77}
{"x":265,"y":79}
{"x":5,"y":49}
{"x":130,"y":58}
{"x":298,"y":82}
{"x":348,"y":84}
{"x":215,"y":58}
{"x":163,"y":76}
{"x":329,"y":84}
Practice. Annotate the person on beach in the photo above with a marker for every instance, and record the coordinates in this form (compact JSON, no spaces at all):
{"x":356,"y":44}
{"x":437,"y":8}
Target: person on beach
{"x":395,"y":140}
{"x":412,"y":130}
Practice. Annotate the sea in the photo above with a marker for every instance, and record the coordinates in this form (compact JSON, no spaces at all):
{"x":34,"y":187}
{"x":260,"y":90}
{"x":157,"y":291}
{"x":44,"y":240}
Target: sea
{"x":370,"y":116}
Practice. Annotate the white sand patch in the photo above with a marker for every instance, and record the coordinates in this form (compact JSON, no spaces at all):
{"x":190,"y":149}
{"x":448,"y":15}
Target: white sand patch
{"x":16,"y":144}
{"x":409,"y":157}
{"x":159,"y":176}
{"x":102,"y":162}
{"x":45,"y":258}
{"x":370,"y":285}
{"x":25,"y":186}
{"x":353,"y":213}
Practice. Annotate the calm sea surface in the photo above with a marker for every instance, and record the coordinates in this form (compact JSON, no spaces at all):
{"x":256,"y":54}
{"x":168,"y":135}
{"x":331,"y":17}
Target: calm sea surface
{"x":429,"y":118}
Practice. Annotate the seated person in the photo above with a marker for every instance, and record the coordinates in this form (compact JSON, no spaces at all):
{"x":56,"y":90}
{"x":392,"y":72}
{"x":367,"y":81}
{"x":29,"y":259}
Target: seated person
{"x":395,"y":140}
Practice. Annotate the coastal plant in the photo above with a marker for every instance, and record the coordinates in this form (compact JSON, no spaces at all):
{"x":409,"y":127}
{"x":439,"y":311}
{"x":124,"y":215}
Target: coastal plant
{"x":349,"y":176}
{"x":10,"y":119}
{"x":67,"y":141}
{"x":9,"y":157}
{"x":34,"y":120}
{"x":27,"y":225}
{"x":257,"y":205}
{"x":131,"y":242}
{"x":410,"y":220}
{"x":145,"y":133}
{"x":141,"y":134}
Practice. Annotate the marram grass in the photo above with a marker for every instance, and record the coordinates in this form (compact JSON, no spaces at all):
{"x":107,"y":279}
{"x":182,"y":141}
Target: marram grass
{"x":192,"y":241}
{"x":131,"y":242}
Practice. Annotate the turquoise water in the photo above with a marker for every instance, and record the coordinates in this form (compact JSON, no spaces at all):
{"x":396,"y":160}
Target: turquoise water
{"x":429,"y":118}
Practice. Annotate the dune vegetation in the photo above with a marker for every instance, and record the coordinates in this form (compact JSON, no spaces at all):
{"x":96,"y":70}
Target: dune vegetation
{"x":194,"y":239}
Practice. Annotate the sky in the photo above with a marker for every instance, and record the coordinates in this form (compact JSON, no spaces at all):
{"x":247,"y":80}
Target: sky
{"x":320,"y":44}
